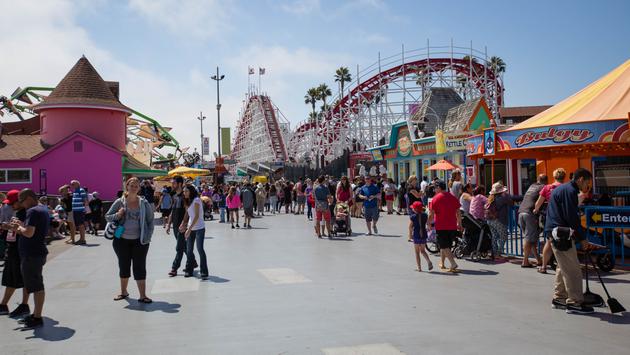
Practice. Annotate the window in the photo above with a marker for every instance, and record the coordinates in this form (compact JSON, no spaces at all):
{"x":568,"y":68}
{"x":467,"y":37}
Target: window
{"x":15,"y":176}
{"x":78,"y":146}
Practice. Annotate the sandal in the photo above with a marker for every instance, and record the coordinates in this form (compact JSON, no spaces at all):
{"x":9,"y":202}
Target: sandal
{"x":121,"y":297}
{"x":146,"y":300}
{"x":542,"y":271}
{"x":442,"y":267}
{"x":430,"y":266}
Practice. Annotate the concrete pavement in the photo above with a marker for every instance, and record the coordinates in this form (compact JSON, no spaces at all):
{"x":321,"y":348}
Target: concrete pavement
{"x":277,"y":289}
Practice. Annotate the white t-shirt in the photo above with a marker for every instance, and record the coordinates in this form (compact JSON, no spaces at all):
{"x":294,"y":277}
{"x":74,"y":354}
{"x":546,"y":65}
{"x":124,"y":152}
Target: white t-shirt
{"x":191,"y":215}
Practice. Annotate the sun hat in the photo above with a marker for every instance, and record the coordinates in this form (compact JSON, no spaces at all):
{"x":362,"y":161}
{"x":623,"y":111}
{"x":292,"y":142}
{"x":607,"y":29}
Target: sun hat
{"x":12,"y":197}
{"x":498,"y":188}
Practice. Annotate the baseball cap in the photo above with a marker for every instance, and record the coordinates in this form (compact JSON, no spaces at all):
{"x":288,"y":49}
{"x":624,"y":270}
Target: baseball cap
{"x":441,"y":184}
{"x":12,"y":197}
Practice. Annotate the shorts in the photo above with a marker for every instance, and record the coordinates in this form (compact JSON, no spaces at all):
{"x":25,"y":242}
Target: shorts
{"x":322,"y":214}
{"x":371,"y":214}
{"x":166,"y":212}
{"x":389,"y":197}
{"x":301,"y":200}
{"x":529,"y":226}
{"x":233,"y":210}
{"x":249,"y":211}
{"x":70,"y":217}
{"x":12,"y":273}
{"x":445,"y":238}
{"x":79,"y":217}
{"x":32,"y":268}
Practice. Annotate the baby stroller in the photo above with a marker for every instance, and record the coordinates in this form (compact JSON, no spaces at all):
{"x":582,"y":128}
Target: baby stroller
{"x":342,"y":219}
{"x":476,"y":241}
{"x":207,"y":208}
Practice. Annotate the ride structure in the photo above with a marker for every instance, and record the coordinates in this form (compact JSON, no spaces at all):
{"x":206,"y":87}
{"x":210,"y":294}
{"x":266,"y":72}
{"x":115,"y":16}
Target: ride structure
{"x":261,"y":133}
{"x":392,"y":90}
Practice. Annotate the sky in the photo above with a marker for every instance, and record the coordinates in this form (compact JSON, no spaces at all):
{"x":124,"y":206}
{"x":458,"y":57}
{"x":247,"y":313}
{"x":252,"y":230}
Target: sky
{"x":163,"y":52}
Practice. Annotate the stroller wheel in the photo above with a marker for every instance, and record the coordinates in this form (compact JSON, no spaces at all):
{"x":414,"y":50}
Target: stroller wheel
{"x":484,"y":254}
{"x":475,"y":255}
{"x":605,"y":262}
{"x":458,"y":252}
{"x":432,"y":247}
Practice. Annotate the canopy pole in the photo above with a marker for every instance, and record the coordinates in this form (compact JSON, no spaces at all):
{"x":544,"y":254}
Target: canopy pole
{"x":492,"y":174}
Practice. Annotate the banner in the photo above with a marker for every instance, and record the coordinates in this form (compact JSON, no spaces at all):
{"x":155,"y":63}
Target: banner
{"x":206,"y":146}
{"x":226,"y":141}
{"x":440,"y":143}
{"x":489,"y":141}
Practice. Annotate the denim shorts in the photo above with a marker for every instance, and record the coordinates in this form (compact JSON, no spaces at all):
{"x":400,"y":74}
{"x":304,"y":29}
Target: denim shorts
{"x":371,"y":214}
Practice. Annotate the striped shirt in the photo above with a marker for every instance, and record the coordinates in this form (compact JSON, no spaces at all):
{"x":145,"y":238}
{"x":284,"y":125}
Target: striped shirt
{"x":78,"y":200}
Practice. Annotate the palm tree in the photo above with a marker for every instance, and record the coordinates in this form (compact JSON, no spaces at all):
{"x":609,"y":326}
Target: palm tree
{"x":342,"y":76}
{"x":312,"y":116}
{"x":311,"y":97}
{"x":324,"y":92}
{"x":497,"y":65}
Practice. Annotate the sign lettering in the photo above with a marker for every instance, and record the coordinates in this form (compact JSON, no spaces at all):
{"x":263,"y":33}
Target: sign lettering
{"x":555,"y":135}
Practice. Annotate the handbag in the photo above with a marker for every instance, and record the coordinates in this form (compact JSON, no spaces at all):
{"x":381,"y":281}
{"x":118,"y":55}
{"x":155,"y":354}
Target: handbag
{"x":115,"y":229}
{"x":561,"y":238}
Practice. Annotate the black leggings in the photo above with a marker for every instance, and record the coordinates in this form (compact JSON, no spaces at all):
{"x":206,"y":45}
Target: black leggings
{"x":128,"y":251}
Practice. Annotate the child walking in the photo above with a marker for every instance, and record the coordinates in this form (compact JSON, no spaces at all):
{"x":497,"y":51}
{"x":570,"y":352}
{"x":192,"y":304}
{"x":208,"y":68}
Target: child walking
{"x":419,"y":220}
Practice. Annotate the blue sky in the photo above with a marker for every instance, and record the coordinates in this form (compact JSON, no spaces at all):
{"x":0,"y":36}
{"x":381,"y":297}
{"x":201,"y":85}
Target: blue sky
{"x":163,"y":51}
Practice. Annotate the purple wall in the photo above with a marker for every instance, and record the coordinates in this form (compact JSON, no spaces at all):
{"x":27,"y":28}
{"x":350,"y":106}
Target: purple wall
{"x":97,"y":167}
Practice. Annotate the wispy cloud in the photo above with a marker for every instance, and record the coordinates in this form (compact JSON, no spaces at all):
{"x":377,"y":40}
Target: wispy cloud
{"x":199,"y":18}
{"x":301,"y":7}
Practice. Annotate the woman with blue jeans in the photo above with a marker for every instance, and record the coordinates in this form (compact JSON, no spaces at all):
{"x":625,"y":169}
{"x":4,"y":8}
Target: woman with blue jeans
{"x":194,"y":230}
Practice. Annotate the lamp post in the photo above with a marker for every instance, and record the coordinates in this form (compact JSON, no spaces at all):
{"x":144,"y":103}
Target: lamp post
{"x":201,"y":118}
{"x":218,"y":78}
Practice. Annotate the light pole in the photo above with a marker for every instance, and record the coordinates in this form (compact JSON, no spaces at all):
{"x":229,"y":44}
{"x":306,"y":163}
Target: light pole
{"x":218,"y":78}
{"x":201,"y":118}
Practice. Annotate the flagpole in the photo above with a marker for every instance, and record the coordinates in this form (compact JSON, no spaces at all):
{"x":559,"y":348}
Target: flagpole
{"x":259,"y":87}
{"x":249,"y":85}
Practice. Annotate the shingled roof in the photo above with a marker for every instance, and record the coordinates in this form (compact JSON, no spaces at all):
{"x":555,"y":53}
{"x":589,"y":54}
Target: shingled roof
{"x":434,"y":108}
{"x":20,"y":147}
{"x":82,"y":86}
{"x":458,"y":117}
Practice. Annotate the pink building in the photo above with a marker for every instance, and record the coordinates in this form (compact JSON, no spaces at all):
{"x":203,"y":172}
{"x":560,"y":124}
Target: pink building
{"x":82,"y":136}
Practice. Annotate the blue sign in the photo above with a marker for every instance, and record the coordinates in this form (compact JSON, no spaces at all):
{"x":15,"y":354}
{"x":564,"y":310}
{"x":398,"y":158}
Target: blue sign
{"x":608,"y":217}
{"x":489,"y":142}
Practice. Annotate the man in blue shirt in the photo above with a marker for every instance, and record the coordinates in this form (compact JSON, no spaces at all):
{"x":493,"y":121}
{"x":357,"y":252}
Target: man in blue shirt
{"x":79,"y":201}
{"x":369,"y":194}
{"x":322,"y":210}
{"x":563,"y":212}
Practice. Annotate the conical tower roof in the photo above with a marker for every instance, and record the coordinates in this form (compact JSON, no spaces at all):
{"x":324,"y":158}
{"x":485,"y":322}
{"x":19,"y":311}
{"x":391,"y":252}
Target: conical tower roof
{"x":82,"y":87}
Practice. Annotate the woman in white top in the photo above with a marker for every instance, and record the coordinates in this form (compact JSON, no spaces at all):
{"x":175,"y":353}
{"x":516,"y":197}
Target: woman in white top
{"x":466,"y":198}
{"x":195,"y":229}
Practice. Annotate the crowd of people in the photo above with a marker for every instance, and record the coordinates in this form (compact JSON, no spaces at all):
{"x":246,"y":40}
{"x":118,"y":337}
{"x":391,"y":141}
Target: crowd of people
{"x":435,"y":210}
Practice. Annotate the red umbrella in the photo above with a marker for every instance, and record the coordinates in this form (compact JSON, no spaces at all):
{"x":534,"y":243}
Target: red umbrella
{"x":443,"y":165}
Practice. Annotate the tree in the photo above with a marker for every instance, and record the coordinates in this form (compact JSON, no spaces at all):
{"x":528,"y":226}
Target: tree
{"x":497,"y":65}
{"x":312,"y":116}
{"x":467,"y":59}
{"x":311,"y":97}
{"x":324,"y":92}
{"x":342,"y":76}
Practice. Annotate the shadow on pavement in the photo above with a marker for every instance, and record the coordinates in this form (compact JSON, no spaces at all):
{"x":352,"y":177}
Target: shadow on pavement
{"x":89,"y":245}
{"x":608,"y":280}
{"x":623,"y":318}
{"x":51,"y":332}
{"x":347,"y":239}
{"x":216,"y":279}
{"x":388,"y":236}
{"x":478,"y":272}
{"x":165,"y":307}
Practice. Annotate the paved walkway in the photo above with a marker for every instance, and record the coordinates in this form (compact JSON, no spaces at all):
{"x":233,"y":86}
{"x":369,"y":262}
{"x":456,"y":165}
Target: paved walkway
{"x":276,"y":289}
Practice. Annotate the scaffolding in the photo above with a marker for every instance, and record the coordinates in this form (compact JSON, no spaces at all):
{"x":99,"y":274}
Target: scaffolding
{"x":261,"y":132}
{"x":390,"y":91}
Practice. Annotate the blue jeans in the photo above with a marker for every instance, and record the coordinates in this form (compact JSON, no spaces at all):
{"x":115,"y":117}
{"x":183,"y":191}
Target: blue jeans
{"x":309,"y":211}
{"x":180,"y":248}
{"x":198,"y":236}
{"x":222,"y":214}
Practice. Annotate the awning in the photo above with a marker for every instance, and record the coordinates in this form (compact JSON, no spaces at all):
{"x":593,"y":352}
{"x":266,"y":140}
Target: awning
{"x":131,"y":166}
{"x":189,"y":172}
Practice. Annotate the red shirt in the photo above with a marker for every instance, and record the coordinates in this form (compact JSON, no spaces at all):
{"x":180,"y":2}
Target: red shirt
{"x":548,"y":189}
{"x":445,"y":207}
